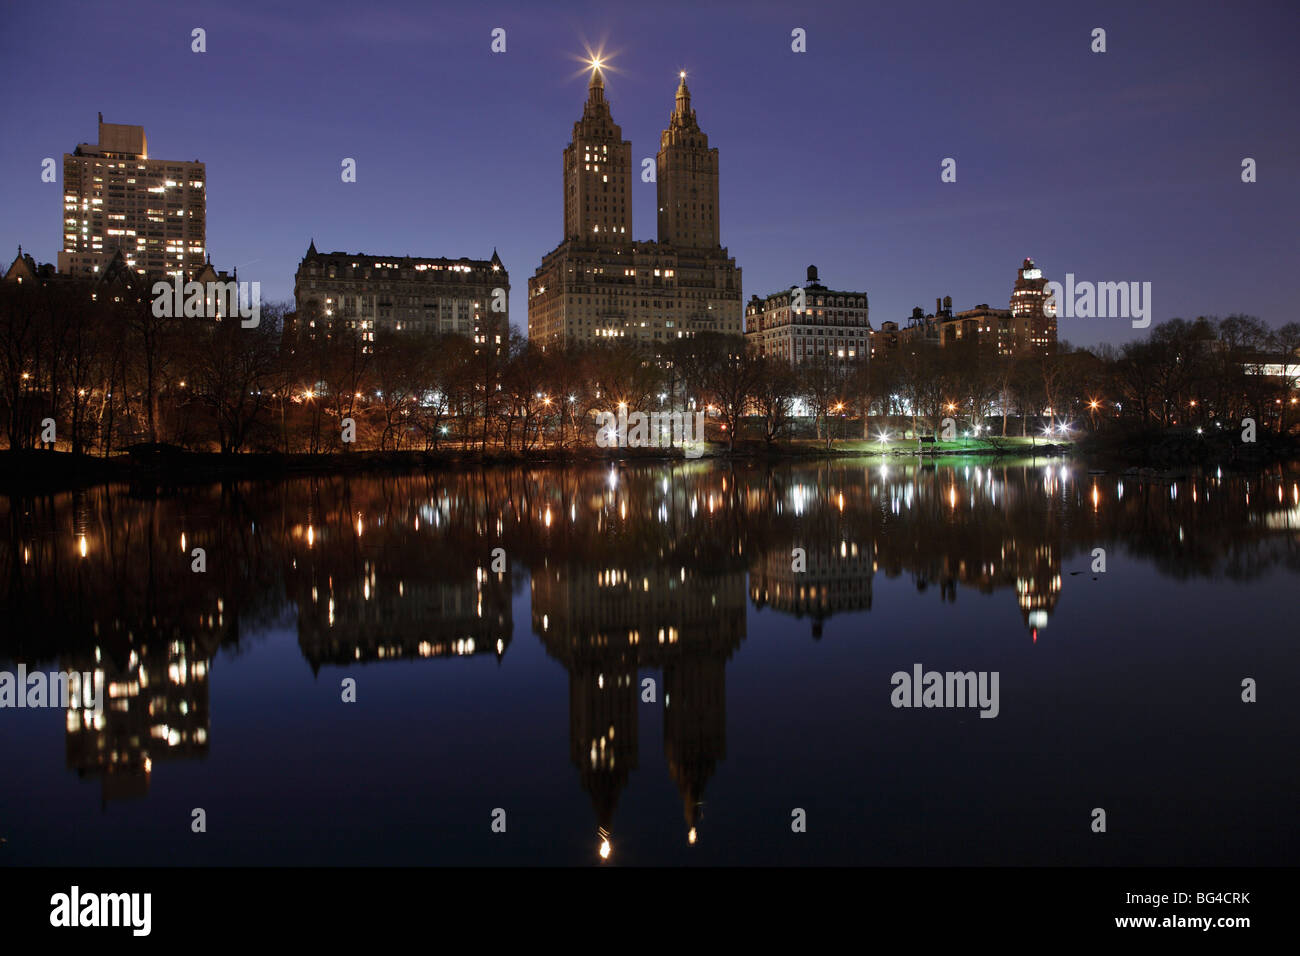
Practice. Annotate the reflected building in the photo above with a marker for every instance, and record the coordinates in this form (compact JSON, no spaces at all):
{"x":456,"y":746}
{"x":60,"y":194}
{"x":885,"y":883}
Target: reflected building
{"x":633,"y":568}
{"x":605,"y":624}
{"x":155,"y":707}
{"x":1038,"y":583}
{"x":836,"y":579}
{"x":897,"y":520}
{"x":362,"y":622}
{"x":357,"y":609}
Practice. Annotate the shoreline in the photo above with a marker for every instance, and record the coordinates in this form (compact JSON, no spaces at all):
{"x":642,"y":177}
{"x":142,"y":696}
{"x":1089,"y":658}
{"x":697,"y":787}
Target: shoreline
{"x":29,"y":471}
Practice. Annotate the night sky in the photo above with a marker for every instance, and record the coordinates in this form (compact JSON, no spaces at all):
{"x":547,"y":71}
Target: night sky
{"x":1117,"y":166}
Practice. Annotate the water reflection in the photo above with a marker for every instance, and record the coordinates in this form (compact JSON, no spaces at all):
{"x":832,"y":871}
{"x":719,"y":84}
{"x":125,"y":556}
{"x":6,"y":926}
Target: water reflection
{"x":626,"y":570}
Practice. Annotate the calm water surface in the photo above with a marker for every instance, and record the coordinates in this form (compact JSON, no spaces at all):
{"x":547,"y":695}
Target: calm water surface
{"x":521,"y":689}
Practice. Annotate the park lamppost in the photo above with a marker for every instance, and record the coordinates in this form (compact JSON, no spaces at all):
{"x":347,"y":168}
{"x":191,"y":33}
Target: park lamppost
{"x":1093,"y":405}
{"x":838,"y":408}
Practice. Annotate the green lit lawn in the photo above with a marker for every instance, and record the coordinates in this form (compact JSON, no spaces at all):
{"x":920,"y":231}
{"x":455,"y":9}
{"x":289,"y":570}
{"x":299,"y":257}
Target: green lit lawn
{"x":958,"y":446}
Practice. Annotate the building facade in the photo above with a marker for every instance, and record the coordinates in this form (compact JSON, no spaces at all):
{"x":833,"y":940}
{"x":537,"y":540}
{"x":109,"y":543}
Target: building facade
{"x":893,"y":339}
{"x":987,"y":327}
{"x":1034,"y":330}
{"x":810,"y":324}
{"x":116,"y":198}
{"x":600,"y":284}
{"x":402,"y":294}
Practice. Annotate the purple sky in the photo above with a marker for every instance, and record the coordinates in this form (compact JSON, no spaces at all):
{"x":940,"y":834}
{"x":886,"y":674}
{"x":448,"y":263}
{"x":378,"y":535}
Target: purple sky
{"x":1116,"y":166}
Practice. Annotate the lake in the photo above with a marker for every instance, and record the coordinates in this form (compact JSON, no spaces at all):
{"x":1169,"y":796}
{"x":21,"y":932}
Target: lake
{"x":661,"y":663}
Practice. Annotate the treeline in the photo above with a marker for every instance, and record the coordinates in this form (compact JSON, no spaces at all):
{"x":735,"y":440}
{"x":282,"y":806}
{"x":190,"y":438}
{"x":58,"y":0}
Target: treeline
{"x":1185,"y":373}
{"x":93,"y":361}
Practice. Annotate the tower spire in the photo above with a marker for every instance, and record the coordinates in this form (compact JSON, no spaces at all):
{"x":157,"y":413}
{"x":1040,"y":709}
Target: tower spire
{"x":597,"y":170}
{"x":683,"y":117}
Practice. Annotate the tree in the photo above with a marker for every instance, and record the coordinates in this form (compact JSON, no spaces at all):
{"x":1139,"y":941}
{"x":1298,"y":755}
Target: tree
{"x":728,"y":370}
{"x":522,"y":383}
{"x":823,"y":380}
{"x":233,"y":373}
{"x":774,"y":394}
{"x":400,"y":375}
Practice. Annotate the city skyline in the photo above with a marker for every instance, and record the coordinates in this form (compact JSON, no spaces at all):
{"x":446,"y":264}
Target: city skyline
{"x":860,"y":195}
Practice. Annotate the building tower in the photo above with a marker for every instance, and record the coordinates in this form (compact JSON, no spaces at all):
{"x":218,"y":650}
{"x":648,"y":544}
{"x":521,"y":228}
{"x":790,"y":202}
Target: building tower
{"x":1033,"y":330}
{"x":687,"y":180}
{"x":598,"y":173}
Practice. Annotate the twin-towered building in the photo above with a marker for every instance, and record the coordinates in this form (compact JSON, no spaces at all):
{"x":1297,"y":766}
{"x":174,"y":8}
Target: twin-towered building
{"x":601,"y":284}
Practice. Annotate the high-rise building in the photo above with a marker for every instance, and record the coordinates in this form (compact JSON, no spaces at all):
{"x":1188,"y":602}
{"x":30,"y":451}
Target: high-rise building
{"x":810,"y":324}
{"x":402,"y":294}
{"x":1034,"y":331}
{"x":116,"y":197}
{"x":600,"y":284}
